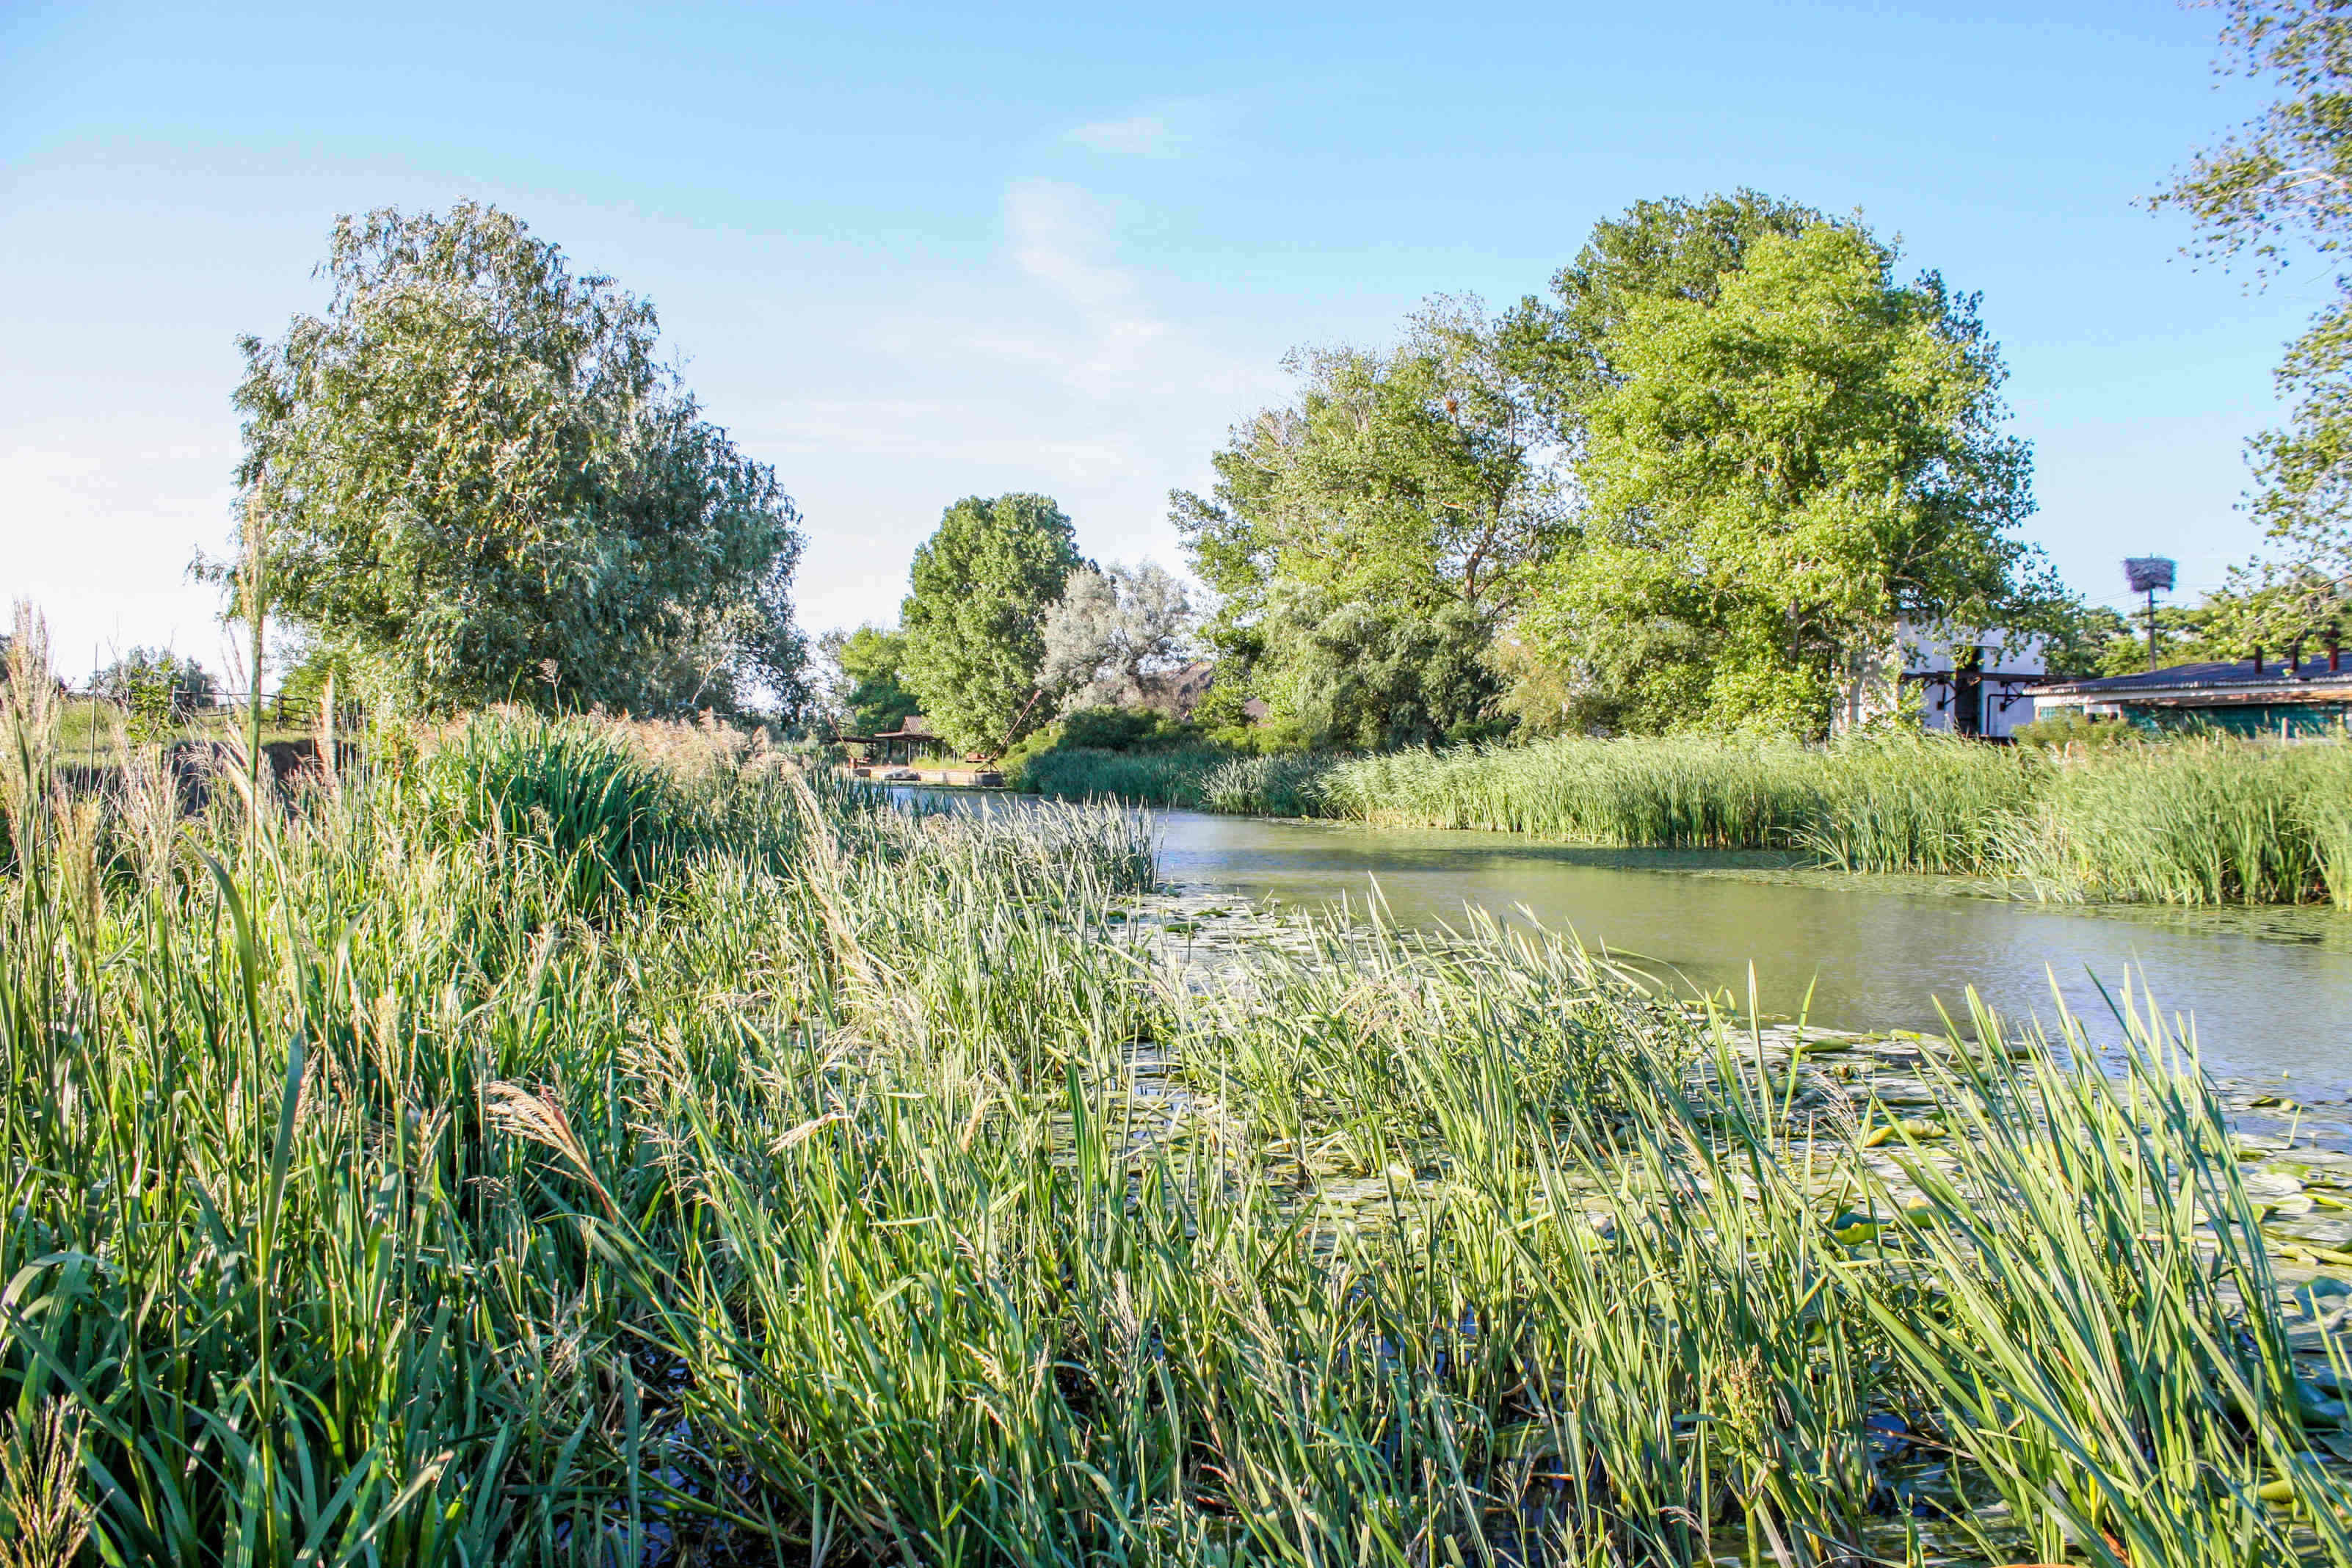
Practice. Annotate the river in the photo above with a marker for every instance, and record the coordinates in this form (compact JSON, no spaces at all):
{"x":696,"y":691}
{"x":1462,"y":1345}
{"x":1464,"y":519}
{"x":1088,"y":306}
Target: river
{"x":2267,"y":995}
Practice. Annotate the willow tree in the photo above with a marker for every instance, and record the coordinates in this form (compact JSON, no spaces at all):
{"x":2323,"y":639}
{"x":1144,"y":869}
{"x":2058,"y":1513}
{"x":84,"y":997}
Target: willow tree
{"x":472,"y":480}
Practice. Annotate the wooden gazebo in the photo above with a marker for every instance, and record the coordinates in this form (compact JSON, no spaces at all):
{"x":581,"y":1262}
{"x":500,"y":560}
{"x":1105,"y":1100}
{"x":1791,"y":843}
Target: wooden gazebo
{"x":899,"y":746}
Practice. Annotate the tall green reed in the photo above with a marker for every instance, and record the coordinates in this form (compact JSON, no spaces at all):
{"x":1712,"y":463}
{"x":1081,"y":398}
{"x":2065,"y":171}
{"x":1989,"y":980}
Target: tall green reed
{"x":2195,"y":821}
{"x":1169,"y":778}
{"x":847,"y":1186}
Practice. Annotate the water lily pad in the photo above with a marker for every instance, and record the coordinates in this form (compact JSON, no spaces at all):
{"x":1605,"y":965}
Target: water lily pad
{"x":2322,"y":1296}
{"x":1910,"y":1126}
{"x":2317,"y":1408}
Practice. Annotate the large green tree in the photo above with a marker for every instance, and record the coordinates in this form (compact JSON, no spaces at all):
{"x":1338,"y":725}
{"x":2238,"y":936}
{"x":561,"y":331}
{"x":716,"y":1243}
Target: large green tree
{"x":473,"y":480}
{"x":1675,"y":249}
{"x":2280,"y":186}
{"x":1774,"y":474}
{"x":1645,"y":674}
{"x":973,"y":622}
{"x":1407,"y":493}
{"x":865,"y":692}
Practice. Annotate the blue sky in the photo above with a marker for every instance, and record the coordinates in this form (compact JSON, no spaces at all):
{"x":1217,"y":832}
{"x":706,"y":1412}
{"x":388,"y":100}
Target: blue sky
{"x":911,"y":253}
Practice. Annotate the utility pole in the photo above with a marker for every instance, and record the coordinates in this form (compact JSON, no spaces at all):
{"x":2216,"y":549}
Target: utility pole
{"x":2149,"y":574}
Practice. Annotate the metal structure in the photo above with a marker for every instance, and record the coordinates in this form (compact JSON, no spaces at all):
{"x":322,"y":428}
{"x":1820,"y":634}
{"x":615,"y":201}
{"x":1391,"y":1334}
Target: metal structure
{"x":2149,"y":574}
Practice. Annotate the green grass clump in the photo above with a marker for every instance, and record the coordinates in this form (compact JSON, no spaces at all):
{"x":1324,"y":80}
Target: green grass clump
{"x":1161,"y":778}
{"x":836,"y":1185}
{"x":2196,"y":821}
{"x":577,"y":792}
{"x":1279,"y":785}
{"x":1921,"y":804}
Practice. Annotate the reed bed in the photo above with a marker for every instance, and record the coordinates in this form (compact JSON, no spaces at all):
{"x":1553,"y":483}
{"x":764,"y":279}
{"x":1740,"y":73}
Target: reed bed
{"x":1169,"y":778}
{"x":547,"y":1152}
{"x":2198,"y":820}
{"x":1876,"y":805}
{"x":1284,"y":785}
{"x":2195,"y":822}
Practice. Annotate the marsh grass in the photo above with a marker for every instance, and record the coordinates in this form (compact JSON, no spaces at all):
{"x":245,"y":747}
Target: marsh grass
{"x":820,"y":1182}
{"x":1877,"y":804}
{"x":2198,"y":820}
{"x":1158,"y":778}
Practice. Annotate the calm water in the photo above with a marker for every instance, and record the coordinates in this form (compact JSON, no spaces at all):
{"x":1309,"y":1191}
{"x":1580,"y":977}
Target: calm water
{"x":1872,"y":954}
{"x":1871,"y":959}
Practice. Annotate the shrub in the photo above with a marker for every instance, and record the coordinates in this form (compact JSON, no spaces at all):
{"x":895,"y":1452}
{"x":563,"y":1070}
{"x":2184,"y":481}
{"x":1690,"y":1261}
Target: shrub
{"x":157,"y":690}
{"x":1122,"y":729}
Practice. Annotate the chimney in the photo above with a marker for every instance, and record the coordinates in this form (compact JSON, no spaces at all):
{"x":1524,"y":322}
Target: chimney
{"x":2258,"y":658}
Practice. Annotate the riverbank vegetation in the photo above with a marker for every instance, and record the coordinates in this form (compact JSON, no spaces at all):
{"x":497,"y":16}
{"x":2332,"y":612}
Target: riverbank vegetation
{"x":586,"y":1143}
{"x":2184,"y":821}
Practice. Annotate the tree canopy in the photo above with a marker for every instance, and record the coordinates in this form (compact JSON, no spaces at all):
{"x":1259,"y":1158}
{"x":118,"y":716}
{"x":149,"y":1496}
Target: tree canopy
{"x":1412,"y":489}
{"x":1109,"y":630}
{"x":1777,"y":474}
{"x":1693,"y":487}
{"x":1670,"y":249}
{"x":974,"y":619}
{"x":473,"y":481}
{"x":2283,"y":183}
{"x":865,"y":692}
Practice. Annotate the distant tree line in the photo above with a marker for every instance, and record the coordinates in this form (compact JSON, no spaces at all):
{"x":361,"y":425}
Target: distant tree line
{"x":1696,"y":487}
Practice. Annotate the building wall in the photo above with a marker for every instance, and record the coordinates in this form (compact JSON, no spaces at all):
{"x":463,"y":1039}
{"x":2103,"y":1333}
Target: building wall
{"x":2259,"y":720}
{"x":1880,"y":682}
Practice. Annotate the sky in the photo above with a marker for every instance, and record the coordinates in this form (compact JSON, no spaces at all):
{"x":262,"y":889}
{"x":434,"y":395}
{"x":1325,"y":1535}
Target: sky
{"x":908,"y":253}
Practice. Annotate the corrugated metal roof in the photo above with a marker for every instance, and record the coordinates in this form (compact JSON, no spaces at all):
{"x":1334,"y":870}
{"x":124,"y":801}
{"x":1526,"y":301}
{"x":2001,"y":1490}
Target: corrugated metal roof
{"x":2219,"y":678}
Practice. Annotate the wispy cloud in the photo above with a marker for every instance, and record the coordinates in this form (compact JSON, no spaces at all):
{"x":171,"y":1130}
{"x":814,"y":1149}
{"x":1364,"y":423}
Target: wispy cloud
{"x":1140,"y":136}
{"x":1063,"y":238}
{"x":1065,"y":365}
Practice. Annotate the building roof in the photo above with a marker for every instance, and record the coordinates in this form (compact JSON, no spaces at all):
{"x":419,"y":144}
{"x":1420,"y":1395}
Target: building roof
{"x":2213,"y":681}
{"x":915,"y":728}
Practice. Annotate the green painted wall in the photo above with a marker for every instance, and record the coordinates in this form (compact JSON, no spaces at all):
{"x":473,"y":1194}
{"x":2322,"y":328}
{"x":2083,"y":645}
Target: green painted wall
{"x":2292,"y":719}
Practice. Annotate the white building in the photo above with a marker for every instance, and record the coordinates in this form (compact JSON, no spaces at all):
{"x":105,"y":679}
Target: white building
{"x":1966,"y":681}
